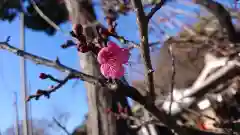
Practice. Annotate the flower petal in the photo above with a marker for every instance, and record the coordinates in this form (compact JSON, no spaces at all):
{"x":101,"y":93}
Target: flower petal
{"x":113,"y":46}
{"x":108,"y":53}
{"x":103,"y":55}
{"x":112,"y":70}
{"x":124,"y":55}
{"x":119,"y":73}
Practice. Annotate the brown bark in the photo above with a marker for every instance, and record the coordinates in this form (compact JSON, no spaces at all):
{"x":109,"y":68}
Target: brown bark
{"x":99,"y":122}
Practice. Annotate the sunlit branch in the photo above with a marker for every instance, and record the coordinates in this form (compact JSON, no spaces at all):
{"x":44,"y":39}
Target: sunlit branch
{"x":170,"y":51}
{"x":143,"y":29}
{"x":48,"y":20}
{"x":49,"y":63}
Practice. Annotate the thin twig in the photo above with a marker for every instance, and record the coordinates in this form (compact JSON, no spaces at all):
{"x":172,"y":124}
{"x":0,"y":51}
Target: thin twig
{"x":47,"y":93}
{"x":54,"y":25}
{"x":170,"y":51}
{"x":143,"y":29}
{"x":49,"y":63}
{"x":155,"y":9}
{"x":54,"y":79}
{"x":61,"y":126}
{"x":48,"y":20}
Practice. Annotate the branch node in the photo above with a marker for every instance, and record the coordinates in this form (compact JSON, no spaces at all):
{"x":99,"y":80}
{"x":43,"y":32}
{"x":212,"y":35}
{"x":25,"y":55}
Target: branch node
{"x":20,"y":53}
{"x":8,"y":39}
{"x":57,"y":61}
{"x":155,"y":9}
{"x":44,"y":93}
{"x":150,"y":71}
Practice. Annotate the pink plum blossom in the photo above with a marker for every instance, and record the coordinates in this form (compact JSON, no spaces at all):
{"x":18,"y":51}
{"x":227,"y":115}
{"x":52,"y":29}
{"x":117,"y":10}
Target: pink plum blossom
{"x":112,"y":59}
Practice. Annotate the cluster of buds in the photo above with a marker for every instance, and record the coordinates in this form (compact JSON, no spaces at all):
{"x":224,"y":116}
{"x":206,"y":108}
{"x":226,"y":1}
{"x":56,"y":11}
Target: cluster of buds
{"x":81,"y":43}
{"x":111,"y":30}
{"x":121,"y":112}
{"x":104,"y":33}
{"x":81,"y":39}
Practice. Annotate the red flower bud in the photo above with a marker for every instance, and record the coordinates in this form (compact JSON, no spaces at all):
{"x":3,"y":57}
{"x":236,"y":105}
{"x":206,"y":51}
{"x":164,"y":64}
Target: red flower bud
{"x":109,"y":20}
{"x":83,"y":48}
{"x":82,"y":38}
{"x":43,"y":76}
{"x":104,"y":31}
{"x":111,"y":29}
{"x":77,"y":29}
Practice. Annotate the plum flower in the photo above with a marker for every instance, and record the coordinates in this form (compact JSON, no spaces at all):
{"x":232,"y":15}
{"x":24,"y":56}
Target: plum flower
{"x":112,"y":59}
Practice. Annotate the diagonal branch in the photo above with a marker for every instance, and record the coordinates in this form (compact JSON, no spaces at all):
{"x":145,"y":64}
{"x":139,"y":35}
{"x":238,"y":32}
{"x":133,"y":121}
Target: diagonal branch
{"x":47,"y":19}
{"x":61,"y":126}
{"x":155,"y":9}
{"x":49,"y":63}
{"x":144,"y":47}
{"x":172,"y":76}
{"x":47,"y":93}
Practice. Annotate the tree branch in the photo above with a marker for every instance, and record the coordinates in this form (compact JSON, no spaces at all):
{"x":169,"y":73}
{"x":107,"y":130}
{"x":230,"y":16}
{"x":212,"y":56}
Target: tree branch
{"x":155,"y":9}
{"x":47,"y":93}
{"x":61,"y":126}
{"x":47,"y":19}
{"x":172,"y":77}
{"x":144,"y":47}
{"x":49,"y":63}
{"x":121,"y":89}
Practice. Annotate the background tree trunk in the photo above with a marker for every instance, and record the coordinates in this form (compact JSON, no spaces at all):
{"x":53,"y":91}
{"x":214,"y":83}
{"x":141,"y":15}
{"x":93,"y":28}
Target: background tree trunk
{"x":99,"y":122}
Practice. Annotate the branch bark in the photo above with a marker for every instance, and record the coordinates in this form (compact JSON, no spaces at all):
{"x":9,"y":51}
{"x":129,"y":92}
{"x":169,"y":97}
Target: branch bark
{"x":49,"y":63}
{"x":99,"y":98}
{"x":155,"y":9}
{"x":61,"y":126}
{"x":121,"y":90}
{"x":142,"y":22}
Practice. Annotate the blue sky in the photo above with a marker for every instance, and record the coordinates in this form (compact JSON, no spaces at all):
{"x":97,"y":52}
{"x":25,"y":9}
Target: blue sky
{"x":67,"y":99}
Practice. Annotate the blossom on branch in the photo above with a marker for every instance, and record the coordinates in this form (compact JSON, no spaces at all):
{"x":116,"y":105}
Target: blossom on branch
{"x":112,"y":59}
{"x":43,"y":76}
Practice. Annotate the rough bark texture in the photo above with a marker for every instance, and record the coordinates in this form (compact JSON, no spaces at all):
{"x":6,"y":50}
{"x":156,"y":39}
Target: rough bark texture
{"x":99,"y":122}
{"x":99,"y":99}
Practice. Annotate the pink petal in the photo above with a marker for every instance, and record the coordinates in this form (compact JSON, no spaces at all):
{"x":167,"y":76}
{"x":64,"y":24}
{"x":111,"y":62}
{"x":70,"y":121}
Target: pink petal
{"x":113,"y":46}
{"x":119,"y":73}
{"x":109,"y":52}
{"x":124,"y":55}
{"x":103,"y":55}
{"x":112,"y":70}
{"x":113,"y":53}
